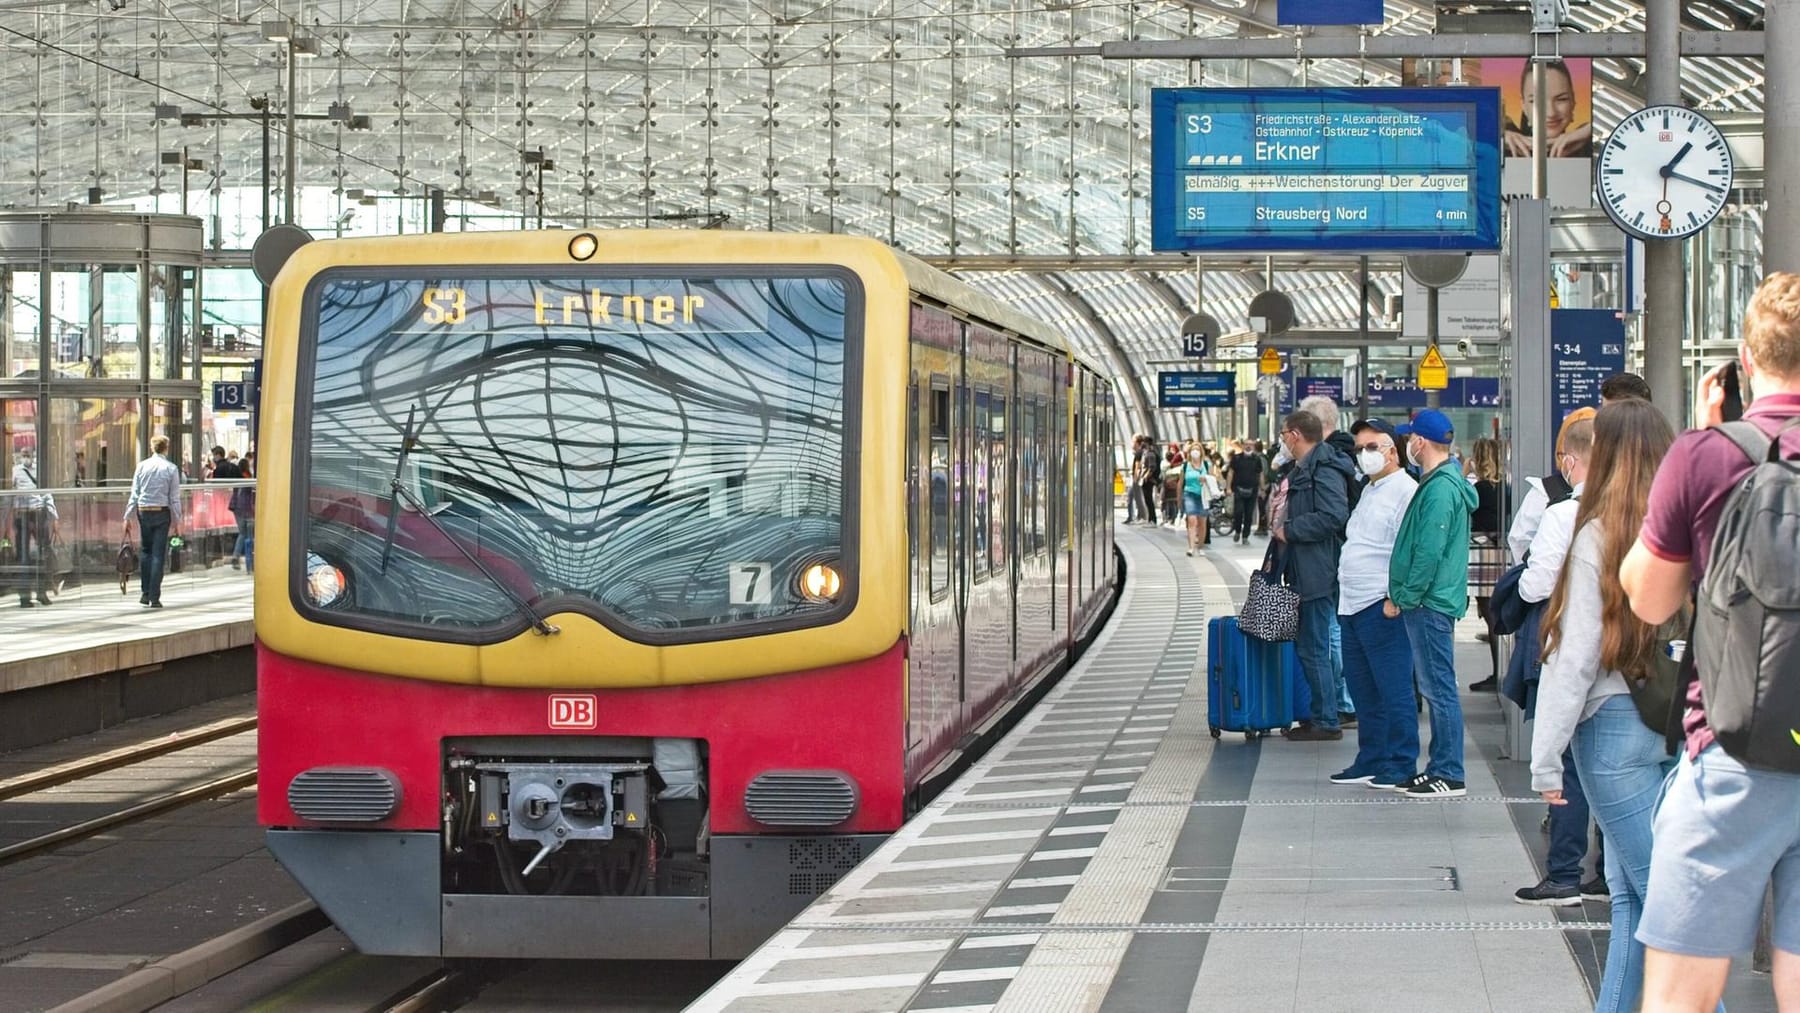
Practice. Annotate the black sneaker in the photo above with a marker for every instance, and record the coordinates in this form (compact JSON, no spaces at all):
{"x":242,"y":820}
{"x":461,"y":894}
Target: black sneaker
{"x":1350,"y":776}
{"x":1596,"y":890}
{"x":1382,"y":782}
{"x":1412,"y":782}
{"x":1548,"y":894}
{"x":1438,"y":787}
{"x":1346,"y":719}
{"x":1487,"y":685}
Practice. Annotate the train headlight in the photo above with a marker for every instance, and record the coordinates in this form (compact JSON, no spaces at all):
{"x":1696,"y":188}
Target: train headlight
{"x":819,"y":582}
{"x":325,"y":584}
{"x":583,"y":246}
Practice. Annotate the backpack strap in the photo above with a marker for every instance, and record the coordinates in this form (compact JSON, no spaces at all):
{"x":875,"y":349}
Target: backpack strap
{"x":1751,"y":441}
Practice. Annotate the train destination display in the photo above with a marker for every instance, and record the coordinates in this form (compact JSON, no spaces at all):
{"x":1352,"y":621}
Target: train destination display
{"x":1359,"y":169}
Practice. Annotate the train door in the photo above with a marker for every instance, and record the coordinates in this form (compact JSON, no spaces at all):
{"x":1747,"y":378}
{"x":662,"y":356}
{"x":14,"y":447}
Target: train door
{"x":987,"y":621}
{"x":936,"y":646}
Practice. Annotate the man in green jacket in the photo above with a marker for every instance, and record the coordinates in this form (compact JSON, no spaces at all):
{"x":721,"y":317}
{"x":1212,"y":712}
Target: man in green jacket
{"x":1428,"y":581}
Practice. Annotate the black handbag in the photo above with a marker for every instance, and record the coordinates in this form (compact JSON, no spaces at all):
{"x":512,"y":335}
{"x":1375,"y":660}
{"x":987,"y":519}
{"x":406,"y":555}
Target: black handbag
{"x":1657,"y":695}
{"x":1271,"y":609}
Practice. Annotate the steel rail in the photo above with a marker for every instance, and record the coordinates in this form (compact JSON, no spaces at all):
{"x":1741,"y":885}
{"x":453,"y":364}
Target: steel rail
{"x":73,"y":771}
{"x":199,"y":792}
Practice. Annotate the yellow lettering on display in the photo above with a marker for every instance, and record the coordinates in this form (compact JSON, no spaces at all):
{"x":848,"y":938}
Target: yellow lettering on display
{"x":445,"y":305}
{"x":595,"y":309}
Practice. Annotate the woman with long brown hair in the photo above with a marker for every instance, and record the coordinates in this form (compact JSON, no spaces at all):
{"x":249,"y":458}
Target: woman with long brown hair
{"x":1592,"y":644}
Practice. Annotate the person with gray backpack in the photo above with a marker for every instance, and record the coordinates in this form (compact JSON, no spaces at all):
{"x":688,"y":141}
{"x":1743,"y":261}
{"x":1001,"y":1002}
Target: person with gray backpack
{"x":1724,"y":518}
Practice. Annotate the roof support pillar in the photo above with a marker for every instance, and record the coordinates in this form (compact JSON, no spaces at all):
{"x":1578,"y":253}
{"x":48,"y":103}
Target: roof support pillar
{"x":1781,"y":140}
{"x":1665,"y":277}
{"x":1140,"y":393}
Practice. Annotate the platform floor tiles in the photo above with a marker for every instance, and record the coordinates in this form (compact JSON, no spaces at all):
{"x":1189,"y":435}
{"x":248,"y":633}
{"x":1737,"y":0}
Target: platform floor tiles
{"x":96,"y":614}
{"x":1110,"y":855}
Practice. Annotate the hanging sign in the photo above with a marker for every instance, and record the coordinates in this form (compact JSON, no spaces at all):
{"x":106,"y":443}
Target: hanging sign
{"x":1349,"y":169}
{"x":1329,"y":12}
{"x":1269,"y":364}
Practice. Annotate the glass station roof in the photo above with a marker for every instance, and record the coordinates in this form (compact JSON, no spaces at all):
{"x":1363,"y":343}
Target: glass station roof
{"x":906,"y":120}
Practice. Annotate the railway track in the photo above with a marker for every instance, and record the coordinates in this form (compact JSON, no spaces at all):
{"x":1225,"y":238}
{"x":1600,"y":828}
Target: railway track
{"x":121,"y":786}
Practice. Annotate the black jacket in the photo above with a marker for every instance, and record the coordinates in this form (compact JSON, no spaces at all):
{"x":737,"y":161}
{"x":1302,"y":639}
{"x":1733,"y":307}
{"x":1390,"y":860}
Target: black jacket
{"x":1318,"y":507}
{"x":1346,"y":445}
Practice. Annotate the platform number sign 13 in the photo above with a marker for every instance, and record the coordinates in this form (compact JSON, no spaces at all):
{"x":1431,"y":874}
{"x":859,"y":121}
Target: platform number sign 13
{"x":1665,"y":173}
{"x":750,"y":583}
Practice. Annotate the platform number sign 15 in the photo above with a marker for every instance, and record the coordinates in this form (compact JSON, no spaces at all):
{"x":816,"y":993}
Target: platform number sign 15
{"x":751,"y":583}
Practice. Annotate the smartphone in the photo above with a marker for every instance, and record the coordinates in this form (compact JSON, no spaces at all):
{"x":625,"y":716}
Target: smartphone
{"x":1733,"y":408}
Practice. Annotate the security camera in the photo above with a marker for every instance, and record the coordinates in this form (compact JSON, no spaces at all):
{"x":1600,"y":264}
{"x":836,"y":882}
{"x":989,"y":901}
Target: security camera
{"x":1464,"y":347}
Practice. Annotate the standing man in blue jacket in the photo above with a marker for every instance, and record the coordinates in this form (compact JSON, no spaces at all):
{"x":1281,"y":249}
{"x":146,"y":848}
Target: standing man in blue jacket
{"x":1318,"y":507}
{"x":1428,"y":585}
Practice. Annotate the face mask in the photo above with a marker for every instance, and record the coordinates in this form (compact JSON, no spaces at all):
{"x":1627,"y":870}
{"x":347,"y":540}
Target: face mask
{"x":1371,"y":462}
{"x":1412,"y":456}
{"x":1282,"y":457}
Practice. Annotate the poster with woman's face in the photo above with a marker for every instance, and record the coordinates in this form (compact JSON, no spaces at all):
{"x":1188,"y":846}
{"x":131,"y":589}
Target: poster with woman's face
{"x":1568,"y":120}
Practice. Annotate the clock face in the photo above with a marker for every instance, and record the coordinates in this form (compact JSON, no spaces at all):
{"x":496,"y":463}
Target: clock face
{"x":1664,"y":173}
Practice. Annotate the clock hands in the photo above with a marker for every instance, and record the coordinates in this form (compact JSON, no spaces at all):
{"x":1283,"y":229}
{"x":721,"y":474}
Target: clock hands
{"x":1669,"y":170}
{"x":1702,"y":184}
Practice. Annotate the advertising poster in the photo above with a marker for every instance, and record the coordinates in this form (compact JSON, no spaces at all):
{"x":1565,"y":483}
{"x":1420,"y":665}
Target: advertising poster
{"x":1569,"y":133}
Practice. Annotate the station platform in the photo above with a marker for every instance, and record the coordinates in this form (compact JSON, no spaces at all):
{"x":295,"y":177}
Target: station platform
{"x":94,"y":656}
{"x":1109,"y":855}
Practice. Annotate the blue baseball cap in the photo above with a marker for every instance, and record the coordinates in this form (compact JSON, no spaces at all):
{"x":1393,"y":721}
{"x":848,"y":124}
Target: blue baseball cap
{"x":1431,"y":424}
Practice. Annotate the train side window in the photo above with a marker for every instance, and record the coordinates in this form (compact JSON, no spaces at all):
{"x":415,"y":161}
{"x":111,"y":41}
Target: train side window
{"x":940,"y":489}
{"x":999,"y":471}
{"x":979,"y":486}
{"x":912,"y":493}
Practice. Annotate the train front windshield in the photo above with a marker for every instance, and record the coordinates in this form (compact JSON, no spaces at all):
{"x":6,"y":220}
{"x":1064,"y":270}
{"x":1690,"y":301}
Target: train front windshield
{"x":664,"y":451}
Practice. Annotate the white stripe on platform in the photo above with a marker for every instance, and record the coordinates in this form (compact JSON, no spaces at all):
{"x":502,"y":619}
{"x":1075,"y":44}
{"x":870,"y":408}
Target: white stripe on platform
{"x":939,"y":915}
{"x":827,"y":985}
{"x":1038,"y":881}
{"x":935,"y":889}
{"x":1115,"y":786}
{"x":997,"y":835}
{"x":1053,"y":856}
{"x":868,"y":949}
{"x":1098,"y":828}
{"x":955,"y":863}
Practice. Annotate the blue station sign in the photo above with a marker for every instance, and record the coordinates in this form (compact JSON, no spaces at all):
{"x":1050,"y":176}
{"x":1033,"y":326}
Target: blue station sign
{"x":1329,"y":12}
{"x":1196,"y":389}
{"x":1342,"y":169}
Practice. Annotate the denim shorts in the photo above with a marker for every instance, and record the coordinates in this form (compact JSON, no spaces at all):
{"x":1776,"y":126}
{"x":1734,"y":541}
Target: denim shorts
{"x":1722,"y":834}
{"x":1193,"y":504}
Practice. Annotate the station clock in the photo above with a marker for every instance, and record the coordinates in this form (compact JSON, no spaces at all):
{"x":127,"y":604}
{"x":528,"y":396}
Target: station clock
{"x":1665,"y":173}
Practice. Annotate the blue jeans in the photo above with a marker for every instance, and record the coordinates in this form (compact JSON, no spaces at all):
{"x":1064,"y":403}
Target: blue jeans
{"x":1314,"y":648}
{"x":1568,"y":828}
{"x":1433,"y":642}
{"x":1622,"y":765}
{"x":1378,"y":671}
{"x":153,"y":532}
{"x":1345,"y":704}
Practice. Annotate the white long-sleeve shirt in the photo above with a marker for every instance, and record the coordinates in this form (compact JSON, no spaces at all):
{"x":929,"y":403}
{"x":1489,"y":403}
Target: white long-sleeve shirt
{"x":1573,"y":685}
{"x":1526,"y":520}
{"x":1369,"y":542}
{"x":1548,"y":549}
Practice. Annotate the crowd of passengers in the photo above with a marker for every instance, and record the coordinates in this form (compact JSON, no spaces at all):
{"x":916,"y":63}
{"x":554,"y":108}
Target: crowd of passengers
{"x":1387,"y":533}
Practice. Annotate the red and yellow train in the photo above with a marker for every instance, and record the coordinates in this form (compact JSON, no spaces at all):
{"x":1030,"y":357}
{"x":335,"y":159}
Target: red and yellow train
{"x":621,"y":590}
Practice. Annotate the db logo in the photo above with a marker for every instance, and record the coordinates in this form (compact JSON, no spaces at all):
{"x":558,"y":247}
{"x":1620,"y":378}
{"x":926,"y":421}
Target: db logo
{"x":572,"y":711}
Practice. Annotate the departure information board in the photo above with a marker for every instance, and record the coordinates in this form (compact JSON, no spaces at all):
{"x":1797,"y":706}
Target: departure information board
{"x":1344,"y":169}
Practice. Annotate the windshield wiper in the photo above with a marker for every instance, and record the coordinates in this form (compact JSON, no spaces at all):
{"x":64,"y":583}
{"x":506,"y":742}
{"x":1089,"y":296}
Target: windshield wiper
{"x":407,"y":436}
{"x":538,"y":622}
{"x":398,"y":491}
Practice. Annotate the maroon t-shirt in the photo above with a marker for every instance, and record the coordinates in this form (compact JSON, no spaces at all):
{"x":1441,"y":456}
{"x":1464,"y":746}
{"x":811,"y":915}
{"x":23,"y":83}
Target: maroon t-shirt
{"x":1702,"y":469}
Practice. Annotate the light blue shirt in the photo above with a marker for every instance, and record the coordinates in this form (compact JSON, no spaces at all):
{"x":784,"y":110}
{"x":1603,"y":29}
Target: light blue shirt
{"x":1369,"y":541}
{"x":156,"y":484}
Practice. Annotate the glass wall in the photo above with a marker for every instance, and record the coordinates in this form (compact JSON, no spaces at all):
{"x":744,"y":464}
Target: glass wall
{"x":91,"y":441}
{"x":115,"y":323}
{"x":21,"y":295}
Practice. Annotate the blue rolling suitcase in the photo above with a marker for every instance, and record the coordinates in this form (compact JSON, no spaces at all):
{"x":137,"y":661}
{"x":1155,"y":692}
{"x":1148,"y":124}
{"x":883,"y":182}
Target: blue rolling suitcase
{"x":1252,"y":686}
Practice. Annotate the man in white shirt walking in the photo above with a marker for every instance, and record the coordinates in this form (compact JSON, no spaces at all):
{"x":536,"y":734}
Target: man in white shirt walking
{"x":34,"y":525}
{"x":1377,"y":654}
{"x":156,"y":502}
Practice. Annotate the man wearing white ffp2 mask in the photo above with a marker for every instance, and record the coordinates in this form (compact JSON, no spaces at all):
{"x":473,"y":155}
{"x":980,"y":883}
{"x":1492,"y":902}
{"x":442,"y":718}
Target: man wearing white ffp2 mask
{"x":1377,"y":654}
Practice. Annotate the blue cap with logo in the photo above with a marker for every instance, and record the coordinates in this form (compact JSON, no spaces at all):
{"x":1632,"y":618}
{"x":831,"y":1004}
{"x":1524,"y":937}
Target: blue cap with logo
{"x":1431,"y":424}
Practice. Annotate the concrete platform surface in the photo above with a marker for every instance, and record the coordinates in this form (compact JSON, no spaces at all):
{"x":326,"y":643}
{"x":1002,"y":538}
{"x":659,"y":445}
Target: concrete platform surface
{"x":1110,"y":855}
